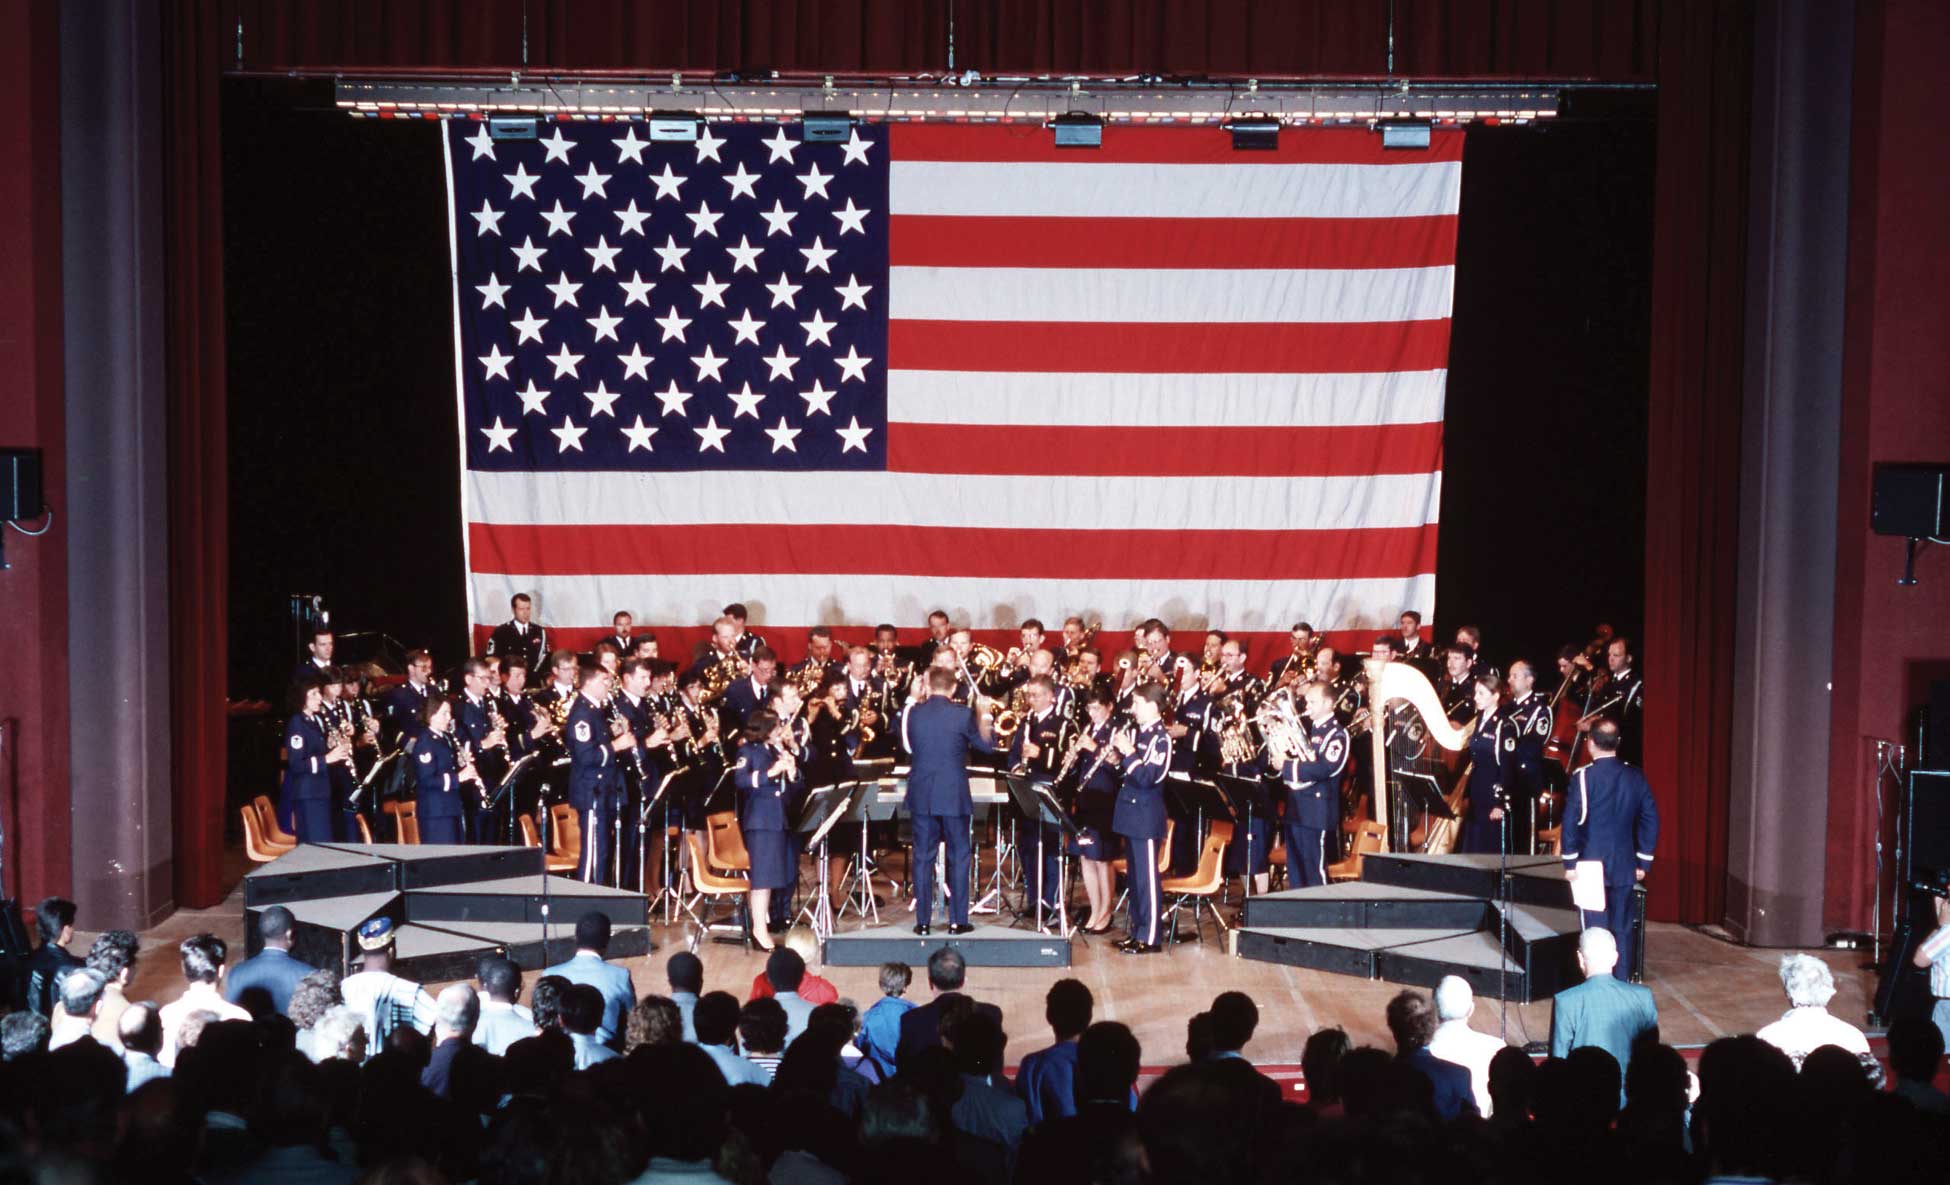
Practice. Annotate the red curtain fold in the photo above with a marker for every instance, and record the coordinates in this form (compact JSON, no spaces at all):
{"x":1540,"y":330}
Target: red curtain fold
{"x":199,"y":495}
{"x":1698,"y":51}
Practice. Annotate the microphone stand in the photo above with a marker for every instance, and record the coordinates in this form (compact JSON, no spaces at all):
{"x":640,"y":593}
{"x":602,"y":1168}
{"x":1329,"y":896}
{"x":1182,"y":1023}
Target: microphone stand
{"x":1503,"y":926}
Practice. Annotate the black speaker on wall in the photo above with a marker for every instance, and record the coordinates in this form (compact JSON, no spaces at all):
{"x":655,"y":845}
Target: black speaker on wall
{"x":1926,"y":829}
{"x":20,"y":485}
{"x":1907,"y":500}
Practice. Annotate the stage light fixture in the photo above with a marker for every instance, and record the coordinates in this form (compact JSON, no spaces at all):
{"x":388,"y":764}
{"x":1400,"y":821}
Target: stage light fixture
{"x":1404,"y":133}
{"x":825,"y":127}
{"x":1078,"y":129}
{"x":675,"y":125}
{"x":511,"y":129}
{"x":1254,"y":133}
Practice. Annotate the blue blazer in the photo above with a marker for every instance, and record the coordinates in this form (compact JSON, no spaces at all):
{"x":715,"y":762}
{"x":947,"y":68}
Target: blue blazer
{"x":1313,"y":788}
{"x":471,"y":721}
{"x":1140,"y":809}
{"x":1609,"y":815}
{"x":271,"y":970}
{"x":1603,"y":1011}
{"x":1453,"y":1093}
{"x":619,"y":994}
{"x":738,"y":703}
{"x":305,"y":777}
{"x":436,"y":778}
{"x":940,"y":734}
{"x":761,"y":798}
{"x":402,"y":706}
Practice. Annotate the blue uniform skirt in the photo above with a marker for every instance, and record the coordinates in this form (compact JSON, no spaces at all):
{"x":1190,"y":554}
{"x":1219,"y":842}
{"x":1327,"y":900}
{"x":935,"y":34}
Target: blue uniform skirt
{"x":775,"y":859}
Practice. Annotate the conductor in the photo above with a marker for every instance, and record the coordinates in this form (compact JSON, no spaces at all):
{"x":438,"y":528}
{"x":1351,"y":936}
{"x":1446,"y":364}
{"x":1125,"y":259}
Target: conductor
{"x":940,"y":733}
{"x":1609,"y":817}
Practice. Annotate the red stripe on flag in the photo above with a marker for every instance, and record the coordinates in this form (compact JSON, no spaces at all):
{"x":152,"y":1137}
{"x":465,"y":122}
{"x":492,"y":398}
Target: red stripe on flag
{"x":941,"y":240}
{"x":1375,"y":552}
{"x":1160,"y":145}
{"x":1178,"y":451}
{"x":1318,"y":347}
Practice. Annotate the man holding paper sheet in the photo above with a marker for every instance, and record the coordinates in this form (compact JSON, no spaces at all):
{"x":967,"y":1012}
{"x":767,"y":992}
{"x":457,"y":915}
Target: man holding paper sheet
{"x":1610,"y":828}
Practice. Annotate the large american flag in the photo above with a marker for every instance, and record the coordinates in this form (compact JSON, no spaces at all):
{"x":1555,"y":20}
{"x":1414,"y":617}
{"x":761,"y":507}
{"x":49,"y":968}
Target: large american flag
{"x":950,"y":366}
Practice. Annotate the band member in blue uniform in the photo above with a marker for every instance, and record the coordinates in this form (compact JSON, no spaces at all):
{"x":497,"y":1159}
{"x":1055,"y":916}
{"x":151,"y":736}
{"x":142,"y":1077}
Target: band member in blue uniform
{"x":595,"y":778}
{"x":1096,"y":767}
{"x":1609,"y":816}
{"x":1492,"y":774}
{"x":1530,"y":714}
{"x":1139,"y":816}
{"x":1622,"y":698}
{"x":748,"y":694}
{"x":1310,"y":768}
{"x":305,"y":800}
{"x":941,"y":734}
{"x":769,"y":781}
{"x":478,"y":724}
{"x":1299,"y":663}
{"x":631,"y":705}
{"x":743,"y":643}
{"x":1457,"y":687}
{"x":341,"y":723}
{"x":405,"y":703}
{"x":1034,"y":752}
{"x":620,"y":636}
{"x":443,"y":775}
{"x":317,"y":659}
{"x":521,"y":637}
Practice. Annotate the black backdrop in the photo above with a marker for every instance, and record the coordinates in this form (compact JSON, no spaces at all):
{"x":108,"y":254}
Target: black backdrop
{"x":343,"y":444}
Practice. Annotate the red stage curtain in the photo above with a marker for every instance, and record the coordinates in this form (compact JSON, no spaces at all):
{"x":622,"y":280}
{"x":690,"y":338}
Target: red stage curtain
{"x":1697,"y":50}
{"x":199,"y":494}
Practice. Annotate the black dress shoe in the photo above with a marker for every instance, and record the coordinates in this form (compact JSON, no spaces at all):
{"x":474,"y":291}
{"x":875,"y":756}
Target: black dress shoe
{"x":1126,"y":944}
{"x":1141,"y":948}
{"x":923,"y":929}
{"x":963,"y":928}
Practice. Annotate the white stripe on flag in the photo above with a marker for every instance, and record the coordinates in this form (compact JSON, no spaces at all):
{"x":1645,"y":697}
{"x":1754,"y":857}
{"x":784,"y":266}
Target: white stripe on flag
{"x":867,"y":600}
{"x":1174,"y":295}
{"x":1204,"y":400}
{"x":1094,"y":190}
{"x":959,"y":500}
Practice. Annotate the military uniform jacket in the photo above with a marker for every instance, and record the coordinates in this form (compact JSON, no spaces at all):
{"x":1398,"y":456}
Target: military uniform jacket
{"x":510,"y":639}
{"x":625,"y":647}
{"x":1102,"y":775}
{"x":738,"y":703}
{"x":1493,"y":759}
{"x":305,"y":776}
{"x":762,"y":798}
{"x":436,"y":776}
{"x":1531,"y":718}
{"x":593,"y":772}
{"x":1140,"y":809}
{"x":1609,"y":816}
{"x":403,"y":704}
{"x":519,"y":712}
{"x":471,"y":721}
{"x":746,"y":645}
{"x":1047,"y":730}
{"x":1313,"y":788}
{"x":940,"y":734}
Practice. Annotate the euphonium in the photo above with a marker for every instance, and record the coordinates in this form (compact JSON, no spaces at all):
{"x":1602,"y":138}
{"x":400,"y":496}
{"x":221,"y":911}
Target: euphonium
{"x":1010,"y":717}
{"x":984,"y":657}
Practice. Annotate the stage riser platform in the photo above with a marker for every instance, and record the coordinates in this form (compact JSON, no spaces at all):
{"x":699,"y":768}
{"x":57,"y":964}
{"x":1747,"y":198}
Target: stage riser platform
{"x":1534,"y":880}
{"x":1460,"y":913}
{"x":500,"y":901}
{"x":423,"y":866}
{"x":988,"y":946}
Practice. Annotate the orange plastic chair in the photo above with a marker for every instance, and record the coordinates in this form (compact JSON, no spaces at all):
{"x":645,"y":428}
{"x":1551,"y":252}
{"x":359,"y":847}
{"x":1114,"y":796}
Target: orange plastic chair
{"x":1201,"y":887}
{"x":712,"y":881}
{"x":406,"y":821}
{"x":274,"y":832}
{"x":564,"y":838}
{"x":255,"y":845}
{"x":1369,"y":836}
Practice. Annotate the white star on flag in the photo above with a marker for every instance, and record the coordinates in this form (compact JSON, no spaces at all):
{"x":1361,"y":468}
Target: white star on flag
{"x":636,"y":290}
{"x":529,"y":255}
{"x":558,"y":147}
{"x":671,"y":254}
{"x":488,"y":218}
{"x":819,"y":329}
{"x":854,"y":436}
{"x":602,"y":256}
{"x":853,"y":294}
{"x":492,"y":291}
{"x":744,"y":257}
{"x":711,"y":436}
{"x":481,"y":143}
{"x":602,"y":401}
{"x":673,"y":325}
{"x":521,"y":182}
{"x":707,"y":146}
{"x":711,"y":291}
{"x":636,"y":363}
{"x":632,"y":219}
{"x":746,"y":327}
{"x":783,"y":437}
{"x":569,"y":436}
{"x":496,"y":363}
{"x":813,"y":179}
{"x":529,"y":327}
{"x":817,"y":255}
{"x":533,"y":399}
{"x":781,"y":364}
{"x":605,"y":325}
{"x":742,"y":182}
{"x":565,"y":292}
{"x":703,"y":221}
{"x":778,"y":220}
{"x":499,"y":436}
{"x":853,"y":366}
{"x":640,"y":434}
{"x":780,"y":147}
{"x":709,"y":361}
{"x":819,"y":399}
{"x":852,"y":218}
{"x":783,"y":292}
{"x":746,"y":400}
{"x":565,"y":362}
{"x":673,"y":399}
{"x":855,"y":149}
{"x":558,"y":220}
{"x":667,"y":183}
{"x":629,"y":147}
{"x":593,"y":182}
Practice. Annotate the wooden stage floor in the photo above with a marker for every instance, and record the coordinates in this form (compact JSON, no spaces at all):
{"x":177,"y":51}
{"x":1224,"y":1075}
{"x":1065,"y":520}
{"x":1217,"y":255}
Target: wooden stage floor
{"x":1706,"y":987}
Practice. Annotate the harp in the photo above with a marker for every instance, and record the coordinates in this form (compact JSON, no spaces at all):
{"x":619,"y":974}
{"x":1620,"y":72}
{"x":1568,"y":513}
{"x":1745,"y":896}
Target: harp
{"x":1397,"y":682}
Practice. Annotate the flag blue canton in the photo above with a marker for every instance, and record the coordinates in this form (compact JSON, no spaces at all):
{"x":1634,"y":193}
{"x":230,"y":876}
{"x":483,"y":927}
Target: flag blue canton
{"x":628,"y":305}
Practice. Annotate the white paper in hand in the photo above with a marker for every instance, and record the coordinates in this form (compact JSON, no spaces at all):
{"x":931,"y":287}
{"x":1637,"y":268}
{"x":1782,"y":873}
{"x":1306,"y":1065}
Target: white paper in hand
{"x":1588,"y":887}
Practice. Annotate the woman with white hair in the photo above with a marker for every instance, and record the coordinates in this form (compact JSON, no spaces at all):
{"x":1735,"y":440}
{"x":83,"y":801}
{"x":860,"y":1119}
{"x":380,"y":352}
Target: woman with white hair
{"x":1807,"y":1025}
{"x":339,"y":1033}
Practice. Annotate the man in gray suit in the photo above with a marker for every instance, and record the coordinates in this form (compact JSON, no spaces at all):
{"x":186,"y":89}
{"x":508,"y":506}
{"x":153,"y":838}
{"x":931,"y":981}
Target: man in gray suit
{"x":1602,"y":1011}
{"x":609,"y":980}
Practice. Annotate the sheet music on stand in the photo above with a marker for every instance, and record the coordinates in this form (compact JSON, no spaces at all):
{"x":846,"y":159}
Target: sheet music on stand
{"x":1036,"y":799}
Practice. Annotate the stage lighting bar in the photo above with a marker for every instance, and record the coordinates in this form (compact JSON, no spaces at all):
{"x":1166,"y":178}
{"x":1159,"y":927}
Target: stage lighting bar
{"x":827,"y":109}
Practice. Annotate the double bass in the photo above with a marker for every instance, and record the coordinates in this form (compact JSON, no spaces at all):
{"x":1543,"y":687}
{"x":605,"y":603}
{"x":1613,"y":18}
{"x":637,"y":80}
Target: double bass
{"x":1562,"y":747}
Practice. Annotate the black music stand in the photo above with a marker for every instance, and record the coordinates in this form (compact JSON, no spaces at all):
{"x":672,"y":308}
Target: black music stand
{"x":1036,"y":799}
{"x":667,"y":891}
{"x":866,"y":808}
{"x":1249,"y":799}
{"x":824,"y":808}
{"x":1420,"y":792}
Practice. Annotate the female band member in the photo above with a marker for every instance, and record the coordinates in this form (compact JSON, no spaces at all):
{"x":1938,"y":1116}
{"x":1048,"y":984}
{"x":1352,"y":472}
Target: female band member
{"x":440,"y":766}
{"x":305,"y":799}
{"x":1492,"y":771}
{"x":767,"y":776}
{"x":1095,"y":797}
